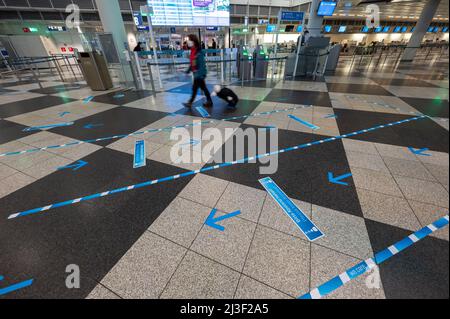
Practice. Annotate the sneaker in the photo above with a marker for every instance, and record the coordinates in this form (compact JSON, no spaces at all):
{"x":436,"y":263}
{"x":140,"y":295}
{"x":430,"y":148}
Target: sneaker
{"x":187,"y":104}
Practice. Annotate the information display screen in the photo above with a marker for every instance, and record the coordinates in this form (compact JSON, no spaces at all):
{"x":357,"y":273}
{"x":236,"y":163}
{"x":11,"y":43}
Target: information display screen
{"x":326,"y":8}
{"x":342,"y":28}
{"x":190,"y":12}
{"x":327,"y":28}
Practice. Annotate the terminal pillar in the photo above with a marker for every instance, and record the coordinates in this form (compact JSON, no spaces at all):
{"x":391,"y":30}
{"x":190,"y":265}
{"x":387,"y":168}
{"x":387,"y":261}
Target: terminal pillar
{"x":314,"y":22}
{"x":111,"y":17}
{"x":421,"y":29}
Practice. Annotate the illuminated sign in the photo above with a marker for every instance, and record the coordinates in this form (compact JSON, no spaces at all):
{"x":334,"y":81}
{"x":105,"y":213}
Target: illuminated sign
{"x":190,"y":12}
{"x":327,"y":28}
{"x":53,"y":28}
{"x":291,"y":16}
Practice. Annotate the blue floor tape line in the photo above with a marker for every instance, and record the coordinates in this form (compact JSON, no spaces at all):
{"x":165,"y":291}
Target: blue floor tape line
{"x":21,"y":285}
{"x":174,"y":177}
{"x":150,"y":131}
{"x":307,"y":124}
{"x":365,"y":266}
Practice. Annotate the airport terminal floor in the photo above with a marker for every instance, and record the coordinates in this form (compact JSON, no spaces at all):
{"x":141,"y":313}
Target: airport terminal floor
{"x":371,"y":168}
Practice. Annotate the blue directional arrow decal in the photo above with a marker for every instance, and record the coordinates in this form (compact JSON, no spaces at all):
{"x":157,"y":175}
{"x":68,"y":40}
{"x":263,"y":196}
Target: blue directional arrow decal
{"x":212,"y":221}
{"x":420,"y":152}
{"x":20,"y":285}
{"x":331,"y":116}
{"x":88,"y":99}
{"x":90,"y":126}
{"x":63,"y":113}
{"x":119,"y":95}
{"x":338,"y":179}
{"x":75,"y":166}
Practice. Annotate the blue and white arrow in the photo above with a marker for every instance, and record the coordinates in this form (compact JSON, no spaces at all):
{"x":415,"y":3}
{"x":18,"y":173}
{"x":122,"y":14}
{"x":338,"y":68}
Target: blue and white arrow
{"x":75,"y":166}
{"x":338,"y":179}
{"x":333,"y":116}
{"x":20,"y":285}
{"x":43,"y":127}
{"x":420,"y":151}
{"x":90,"y":126}
{"x":212,"y":221}
{"x":63,"y":113}
{"x":119,"y":96}
{"x":88,"y":99}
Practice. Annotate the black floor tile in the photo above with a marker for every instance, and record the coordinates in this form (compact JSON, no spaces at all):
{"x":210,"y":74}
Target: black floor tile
{"x":433,"y":108}
{"x":302,"y":174}
{"x":31,"y":105}
{"x":423,"y":133}
{"x":94,"y":234}
{"x":299,"y":97}
{"x":307,"y":78}
{"x":187,"y":89}
{"x":357,"y":89}
{"x":117,"y":121}
{"x":116,"y":97}
{"x":220,"y":110}
{"x":419,"y":272}
{"x":10,"y":131}
{"x":17,"y":83}
{"x":402,"y":82}
{"x":58,"y":89}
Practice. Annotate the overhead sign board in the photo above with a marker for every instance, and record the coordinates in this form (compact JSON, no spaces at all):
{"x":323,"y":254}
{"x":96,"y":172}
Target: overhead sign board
{"x":292,"y":16}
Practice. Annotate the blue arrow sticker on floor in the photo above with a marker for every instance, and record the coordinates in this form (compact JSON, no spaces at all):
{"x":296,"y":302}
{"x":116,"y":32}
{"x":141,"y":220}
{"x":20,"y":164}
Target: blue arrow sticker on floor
{"x":90,"y":126}
{"x":331,"y":116}
{"x":20,"y":285}
{"x":63,"y":113}
{"x":88,"y":99}
{"x":311,"y":126}
{"x":139,"y":154}
{"x":119,"y":95}
{"x":420,"y":152}
{"x":75,"y":167}
{"x":212,"y":221}
{"x":338,"y":179}
{"x":37,"y":128}
{"x":298,"y":217}
{"x":202,"y":111}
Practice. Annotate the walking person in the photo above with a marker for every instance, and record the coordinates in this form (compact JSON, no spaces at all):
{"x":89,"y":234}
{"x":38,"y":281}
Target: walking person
{"x":198,"y":67}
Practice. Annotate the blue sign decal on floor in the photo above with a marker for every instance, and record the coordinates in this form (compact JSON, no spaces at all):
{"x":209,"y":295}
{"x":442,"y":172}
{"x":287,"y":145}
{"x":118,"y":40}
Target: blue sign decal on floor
{"x":379,"y":258}
{"x":18,"y":286}
{"x":91,"y":126}
{"x":298,"y":217}
{"x":420,"y":152}
{"x":139,"y":154}
{"x":202,"y":111}
{"x":338,"y":179}
{"x":331,"y":116}
{"x":43,"y":127}
{"x":75,"y":167}
{"x":311,"y":126}
{"x":212,"y":221}
{"x":119,"y":96}
{"x":63,"y":113}
{"x":88,"y":99}
{"x":205,"y":169}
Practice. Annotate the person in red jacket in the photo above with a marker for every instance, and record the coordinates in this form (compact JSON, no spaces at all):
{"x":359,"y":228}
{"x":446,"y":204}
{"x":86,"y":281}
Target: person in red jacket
{"x":197,"y":66}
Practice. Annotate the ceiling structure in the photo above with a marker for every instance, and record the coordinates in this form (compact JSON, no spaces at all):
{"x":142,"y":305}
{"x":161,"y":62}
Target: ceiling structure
{"x":401,"y":10}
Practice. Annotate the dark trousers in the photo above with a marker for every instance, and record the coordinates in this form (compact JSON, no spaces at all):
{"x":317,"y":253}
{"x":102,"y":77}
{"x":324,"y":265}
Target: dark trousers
{"x":199,"y":83}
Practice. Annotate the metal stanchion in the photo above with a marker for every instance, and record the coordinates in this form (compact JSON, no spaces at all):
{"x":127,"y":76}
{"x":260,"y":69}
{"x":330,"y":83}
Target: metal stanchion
{"x":36,"y":78}
{"x":151,"y":78}
{"x":58,"y":69}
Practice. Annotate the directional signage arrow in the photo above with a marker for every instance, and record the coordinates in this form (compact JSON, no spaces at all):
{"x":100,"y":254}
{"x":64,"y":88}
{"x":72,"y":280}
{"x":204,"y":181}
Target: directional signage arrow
{"x":63,"y":113}
{"x":329,"y":116}
{"x":420,"y":151}
{"x":212,"y":221}
{"x":90,"y":126}
{"x":338,"y":179}
{"x":75,"y":166}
